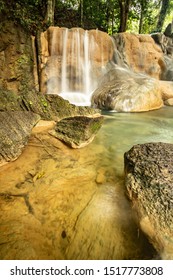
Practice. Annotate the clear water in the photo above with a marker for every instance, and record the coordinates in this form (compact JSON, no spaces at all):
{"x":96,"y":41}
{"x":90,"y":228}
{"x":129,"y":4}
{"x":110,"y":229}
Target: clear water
{"x":123,"y":130}
{"x":61,"y":203}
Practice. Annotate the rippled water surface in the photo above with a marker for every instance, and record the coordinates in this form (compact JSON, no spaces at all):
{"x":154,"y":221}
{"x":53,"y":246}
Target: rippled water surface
{"x":60,"y":203}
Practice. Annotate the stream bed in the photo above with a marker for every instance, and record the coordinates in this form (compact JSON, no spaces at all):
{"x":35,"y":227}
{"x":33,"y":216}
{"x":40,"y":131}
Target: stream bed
{"x":60,"y":203}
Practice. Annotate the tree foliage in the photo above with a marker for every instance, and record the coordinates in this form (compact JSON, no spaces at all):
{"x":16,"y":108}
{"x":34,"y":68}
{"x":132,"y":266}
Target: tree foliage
{"x":108,"y":15}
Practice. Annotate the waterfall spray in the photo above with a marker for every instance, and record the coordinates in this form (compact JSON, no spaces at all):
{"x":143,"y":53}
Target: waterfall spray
{"x":75,"y":64}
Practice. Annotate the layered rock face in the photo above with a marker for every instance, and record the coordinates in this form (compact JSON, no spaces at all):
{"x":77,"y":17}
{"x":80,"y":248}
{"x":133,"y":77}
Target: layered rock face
{"x":125,"y":73}
{"x":140,"y":53}
{"x":15,"y":130}
{"x":19,"y":76}
{"x":16,"y":58}
{"x":149,"y":183}
{"x":137,"y":84}
{"x":77,"y":60}
{"x":73,"y":59}
{"x":165,"y":42}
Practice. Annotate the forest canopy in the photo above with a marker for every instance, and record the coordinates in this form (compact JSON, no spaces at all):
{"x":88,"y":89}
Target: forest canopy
{"x":112,"y":16}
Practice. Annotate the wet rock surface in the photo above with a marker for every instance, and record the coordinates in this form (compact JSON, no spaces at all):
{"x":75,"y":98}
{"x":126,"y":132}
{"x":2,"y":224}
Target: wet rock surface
{"x":77,"y":126}
{"x":15,"y":129}
{"x":127,"y":92}
{"x":52,"y":206}
{"x":149,"y":183}
{"x":140,"y":53}
{"x":78,"y":131}
{"x":16,"y":58}
{"x":49,"y":107}
{"x":60,"y":44}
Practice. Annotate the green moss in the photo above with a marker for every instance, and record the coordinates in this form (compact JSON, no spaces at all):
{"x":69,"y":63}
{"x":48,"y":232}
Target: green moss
{"x":44,"y":102}
{"x":95,"y":126}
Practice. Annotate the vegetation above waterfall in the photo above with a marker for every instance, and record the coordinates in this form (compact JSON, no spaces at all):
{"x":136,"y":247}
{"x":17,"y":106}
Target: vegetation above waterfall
{"x":108,"y":15}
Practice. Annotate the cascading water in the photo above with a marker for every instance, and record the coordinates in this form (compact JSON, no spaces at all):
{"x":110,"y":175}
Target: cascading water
{"x":76,"y":64}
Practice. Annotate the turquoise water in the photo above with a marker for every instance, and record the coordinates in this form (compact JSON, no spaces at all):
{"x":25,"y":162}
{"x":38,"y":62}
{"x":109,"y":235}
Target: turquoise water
{"x":123,"y":130}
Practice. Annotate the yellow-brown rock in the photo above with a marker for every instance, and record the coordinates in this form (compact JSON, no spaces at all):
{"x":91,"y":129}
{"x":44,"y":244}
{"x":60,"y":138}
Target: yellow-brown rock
{"x":72,"y":50}
{"x":141,"y":53}
{"x":128,"y":92}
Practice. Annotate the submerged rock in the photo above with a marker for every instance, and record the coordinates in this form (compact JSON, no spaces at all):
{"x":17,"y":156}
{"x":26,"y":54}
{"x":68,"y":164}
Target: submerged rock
{"x":127,"y":92}
{"x":15,"y":129}
{"x":149,"y":183}
{"x":78,"y":131}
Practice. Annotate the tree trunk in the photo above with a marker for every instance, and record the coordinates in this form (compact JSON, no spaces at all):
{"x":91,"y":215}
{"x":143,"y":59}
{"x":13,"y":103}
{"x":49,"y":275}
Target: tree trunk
{"x":162,"y":14}
{"x":81,"y":14}
{"x":141,"y":17}
{"x":124,"y":11}
{"x":50,"y":12}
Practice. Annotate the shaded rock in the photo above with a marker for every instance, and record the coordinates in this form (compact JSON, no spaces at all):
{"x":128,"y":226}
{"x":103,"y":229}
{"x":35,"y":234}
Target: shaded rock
{"x":169,"y":30}
{"x":167,"y":71}
{"x":78,"y":131}
{"x":169,"y":102}
{"x":166,"y":45}
{"x":15,"y":129}
{"x":9,"y":101}
{"x":16,"y":58}
{"x":149,"y":183}
{"x":128,"y":92}
{"x":166,"y":88}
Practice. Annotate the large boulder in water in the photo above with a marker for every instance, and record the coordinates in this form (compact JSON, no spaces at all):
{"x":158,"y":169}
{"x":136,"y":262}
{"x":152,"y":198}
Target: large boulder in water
{"x":149,"y":183}
{"x":15,"y":129}
{"x":125,"y":91}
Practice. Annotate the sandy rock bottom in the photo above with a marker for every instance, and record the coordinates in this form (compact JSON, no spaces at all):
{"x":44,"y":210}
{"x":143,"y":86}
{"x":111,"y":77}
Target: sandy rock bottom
{"x":61,"y":203}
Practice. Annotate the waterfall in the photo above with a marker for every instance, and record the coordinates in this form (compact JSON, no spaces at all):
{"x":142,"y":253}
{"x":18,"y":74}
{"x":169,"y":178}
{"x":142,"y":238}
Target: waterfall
{"x":64,"y":82}
{"x":75,"y":64}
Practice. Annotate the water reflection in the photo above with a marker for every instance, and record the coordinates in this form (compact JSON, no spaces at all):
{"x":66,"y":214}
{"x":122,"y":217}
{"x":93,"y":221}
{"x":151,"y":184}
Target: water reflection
{"x":77,"y":197}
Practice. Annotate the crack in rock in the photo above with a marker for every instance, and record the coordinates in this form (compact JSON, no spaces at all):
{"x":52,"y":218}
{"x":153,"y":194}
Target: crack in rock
{"x":25,"y":196}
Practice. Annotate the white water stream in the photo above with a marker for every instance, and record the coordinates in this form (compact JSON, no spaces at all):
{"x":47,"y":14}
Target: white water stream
{"x":77,"y":77}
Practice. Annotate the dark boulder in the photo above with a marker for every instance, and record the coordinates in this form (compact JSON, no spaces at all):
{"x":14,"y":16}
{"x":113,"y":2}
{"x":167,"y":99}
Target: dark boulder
{"x":149,"y":183}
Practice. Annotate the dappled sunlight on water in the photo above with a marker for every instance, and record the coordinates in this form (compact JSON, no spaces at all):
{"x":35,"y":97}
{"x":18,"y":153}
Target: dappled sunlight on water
{"x":61,"y":203}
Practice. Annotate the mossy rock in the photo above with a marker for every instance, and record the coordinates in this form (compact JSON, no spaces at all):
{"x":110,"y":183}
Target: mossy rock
{"x":78,"y":131}
{"x":49,"y":107}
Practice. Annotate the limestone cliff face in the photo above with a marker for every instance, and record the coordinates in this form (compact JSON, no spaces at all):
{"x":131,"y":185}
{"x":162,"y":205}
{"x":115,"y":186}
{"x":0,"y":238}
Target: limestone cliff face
{"x":90,"y":57}
{"x":16,"y":58}
{"x":85,"y":54}
{"x":141,"y":53}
